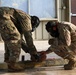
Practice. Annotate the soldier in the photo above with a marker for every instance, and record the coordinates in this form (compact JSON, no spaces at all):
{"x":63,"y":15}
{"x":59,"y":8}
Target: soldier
{"x":13,"y":24}
{"x":63,"y":42}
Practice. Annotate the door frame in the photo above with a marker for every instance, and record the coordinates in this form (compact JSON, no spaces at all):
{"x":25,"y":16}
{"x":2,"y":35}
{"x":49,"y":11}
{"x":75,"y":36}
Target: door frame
{"x":69,"y":10}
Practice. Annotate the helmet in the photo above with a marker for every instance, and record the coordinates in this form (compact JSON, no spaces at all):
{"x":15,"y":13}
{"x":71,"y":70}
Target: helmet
{"x":35,"y":22}
{"x":50,"y":25}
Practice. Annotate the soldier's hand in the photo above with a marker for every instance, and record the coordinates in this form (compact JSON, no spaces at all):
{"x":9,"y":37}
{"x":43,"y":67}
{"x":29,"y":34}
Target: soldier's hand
{"x":40,"y":57}
{"x":51,"y":41}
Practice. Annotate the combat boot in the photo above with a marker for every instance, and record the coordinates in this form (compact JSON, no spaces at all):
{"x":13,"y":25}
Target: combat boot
{"x":71,"y":64}
{"x":12,"y":67}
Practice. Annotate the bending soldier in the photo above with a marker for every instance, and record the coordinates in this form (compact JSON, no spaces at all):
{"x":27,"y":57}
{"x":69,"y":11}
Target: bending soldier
{"x":13,"y":24}
{"x":63,"y":42}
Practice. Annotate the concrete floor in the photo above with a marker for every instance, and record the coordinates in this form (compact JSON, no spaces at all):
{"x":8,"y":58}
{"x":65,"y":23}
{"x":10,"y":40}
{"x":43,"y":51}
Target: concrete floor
{"x":53,"y":70}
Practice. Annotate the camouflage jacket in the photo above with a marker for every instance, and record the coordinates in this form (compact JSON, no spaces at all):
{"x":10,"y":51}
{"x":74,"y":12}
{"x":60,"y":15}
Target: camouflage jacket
{"x":21,"y":20}
{"x":66,"y":40}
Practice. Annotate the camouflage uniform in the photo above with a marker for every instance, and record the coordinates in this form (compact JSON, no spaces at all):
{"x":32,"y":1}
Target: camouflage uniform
{"x":66,"y":41}
{"x":65,"y":44}
{"x":14,"y":23}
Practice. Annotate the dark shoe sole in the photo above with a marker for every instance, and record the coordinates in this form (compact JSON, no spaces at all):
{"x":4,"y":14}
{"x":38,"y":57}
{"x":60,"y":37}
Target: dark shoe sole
{"x":66,"y":67}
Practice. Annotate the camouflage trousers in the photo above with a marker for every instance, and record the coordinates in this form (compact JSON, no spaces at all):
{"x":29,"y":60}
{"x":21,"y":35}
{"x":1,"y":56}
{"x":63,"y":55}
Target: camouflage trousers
{"x":63,"y":51}
{"x":12,"y":40}
{"x":66,"y":52}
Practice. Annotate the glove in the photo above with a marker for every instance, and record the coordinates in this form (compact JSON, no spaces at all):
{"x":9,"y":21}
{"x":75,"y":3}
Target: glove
{"x":41,"y":56}
{"x":35,"y":57}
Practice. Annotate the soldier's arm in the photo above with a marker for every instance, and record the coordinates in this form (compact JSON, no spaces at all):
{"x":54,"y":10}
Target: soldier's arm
{"x":66,"y":36}
{"x":25,"y":22}
{"x":55,"y":48}
{"x":29,"y":42}
{"x":24,"y":46}
{"x":60,"y":45}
